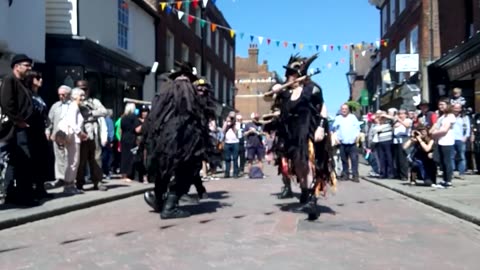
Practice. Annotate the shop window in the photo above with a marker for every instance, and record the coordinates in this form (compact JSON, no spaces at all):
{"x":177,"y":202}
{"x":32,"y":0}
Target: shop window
{"x":216,"y":85}
{"x":123,"y":19}
{"x":414,"y":40}
{"x":401,"y":6}
{"x":216,"y":36}
{"x":198,"y":15}
{"x":384,"y":19}
{"x":185,"y":53}
{"x":225,"y":51}
{"x":170,"y":51}
{"x":230,"y":52}
{"x":393,"y":11}
{"x":224,"y":90}
{"x":209,"y":35}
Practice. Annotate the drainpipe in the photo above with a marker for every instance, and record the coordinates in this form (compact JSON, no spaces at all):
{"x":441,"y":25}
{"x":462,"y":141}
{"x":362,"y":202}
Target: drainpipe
{"x":431,"y":30}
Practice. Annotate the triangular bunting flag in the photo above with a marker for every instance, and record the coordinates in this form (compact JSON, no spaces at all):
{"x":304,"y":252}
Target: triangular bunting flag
{"x":285,"y":44}
{"x":377,"y":43}
{"x":336,"y":63}
{"x":251,"y":38}
{"x":195,"y":4}
{"x":329,"y":65}
{"x":205,"y":3}
{"x":324,"y":48}
{"x":190,"y":19}
{"x":300,"y":46}
{"x":241,"y":35}
{"x":232,"y":33}
{"x":339,"y":47}
{"x":359,"y":46}
{"x":345,"y":46}
{"x":331,"y":47}
{"x":260,"y":40}
{"x":169,"y":10}
{"x":317,"y":47}
{"x":268,"y":41}
{"x":294,"y":45}
{"x":364,"y":53}
{"x":278,"y":43}
{"x":213,"y":27}
{"x":180,"y":14}
{"x":356,"y":55}
{"x":163,"y":5}
{"x":202,"y":23}
{"x":179,"y":4}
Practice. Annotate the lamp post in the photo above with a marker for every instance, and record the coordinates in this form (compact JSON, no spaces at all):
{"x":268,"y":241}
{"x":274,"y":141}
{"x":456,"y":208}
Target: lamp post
{"x":351,"y":77}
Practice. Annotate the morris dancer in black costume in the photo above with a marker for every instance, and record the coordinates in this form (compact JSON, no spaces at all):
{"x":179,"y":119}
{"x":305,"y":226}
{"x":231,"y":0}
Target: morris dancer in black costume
{"x":303,"y":145}
{"x":177,"y":140}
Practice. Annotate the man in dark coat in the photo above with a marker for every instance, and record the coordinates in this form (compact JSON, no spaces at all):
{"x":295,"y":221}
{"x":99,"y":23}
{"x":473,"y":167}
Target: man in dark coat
{"x":16,"y":108}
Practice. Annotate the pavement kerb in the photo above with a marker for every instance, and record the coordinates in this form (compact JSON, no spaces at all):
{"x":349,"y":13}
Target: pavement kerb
{"x":9,"y":223}
{"x":444,"y":208}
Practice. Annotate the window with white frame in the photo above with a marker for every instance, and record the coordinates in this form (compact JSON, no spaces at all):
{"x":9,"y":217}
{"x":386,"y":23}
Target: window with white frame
{"x":198,"y":15}
{"x":225,"y":51}
{"x":224,"y":90}
{"x":384,"y":67}
{"x":414,"y":40}
{"x":393,"y":11}
{"x":170,"y":51}
{"x":384,"y":19}
{"x":208,"y":36}
{"x":186,"y":9}
{"x":185,"y":53}
{"x":216,"y":36}
{"x":198,"y":63}
{"x":392,"y":60}
{"x":208,"y":73}
{"x":402,"y":48}
{"x":402,"y":4}
{"x":217,"y":87}
{"x":123,"y":23}
{"x":230,"y":51}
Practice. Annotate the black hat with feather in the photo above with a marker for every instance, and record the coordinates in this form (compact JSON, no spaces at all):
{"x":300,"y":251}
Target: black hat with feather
{"x":299,"y":65}
{"x":184,"y":69}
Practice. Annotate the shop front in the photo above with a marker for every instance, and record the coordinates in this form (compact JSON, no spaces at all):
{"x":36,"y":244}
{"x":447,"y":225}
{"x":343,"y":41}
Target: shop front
{"x":405,"y":96}
{"x":111,"y":75}
{"x":459,"y":68}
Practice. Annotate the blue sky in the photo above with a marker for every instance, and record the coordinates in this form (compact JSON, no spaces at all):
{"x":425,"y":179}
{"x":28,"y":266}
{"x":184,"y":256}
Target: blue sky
{"x":335,"y":22}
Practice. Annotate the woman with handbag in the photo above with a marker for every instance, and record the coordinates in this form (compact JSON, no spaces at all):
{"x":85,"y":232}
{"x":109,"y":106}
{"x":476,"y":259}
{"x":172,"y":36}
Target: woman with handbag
{"x":70,"y":135}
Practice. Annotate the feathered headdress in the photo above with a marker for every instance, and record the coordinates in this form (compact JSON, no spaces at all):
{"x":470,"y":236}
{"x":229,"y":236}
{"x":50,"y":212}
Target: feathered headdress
{"x":299,"y":65}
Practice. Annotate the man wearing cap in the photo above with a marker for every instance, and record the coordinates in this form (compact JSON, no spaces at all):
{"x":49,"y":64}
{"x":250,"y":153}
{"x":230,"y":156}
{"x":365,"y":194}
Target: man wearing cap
{"x":16,"y":107}
{"x":426,"y":117}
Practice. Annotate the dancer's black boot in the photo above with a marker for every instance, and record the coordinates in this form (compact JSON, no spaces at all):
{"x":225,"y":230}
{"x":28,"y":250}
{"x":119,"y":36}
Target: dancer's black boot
{"x":151,"y":200}
{"x":304,"y":195}
{"x":170,"y":208}
{"x":286,"y":192}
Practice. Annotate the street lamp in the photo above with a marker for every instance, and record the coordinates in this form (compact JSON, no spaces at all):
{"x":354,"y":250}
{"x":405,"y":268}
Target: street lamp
{"x":351,"y":77}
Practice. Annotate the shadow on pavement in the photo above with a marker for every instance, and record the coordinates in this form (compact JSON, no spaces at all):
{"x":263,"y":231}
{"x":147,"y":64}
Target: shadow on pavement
{"x":292,"y":207}
{"x":205,"y":207}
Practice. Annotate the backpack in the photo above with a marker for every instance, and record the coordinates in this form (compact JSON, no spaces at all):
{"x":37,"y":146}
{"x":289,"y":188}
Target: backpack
{"x":255,"y":173}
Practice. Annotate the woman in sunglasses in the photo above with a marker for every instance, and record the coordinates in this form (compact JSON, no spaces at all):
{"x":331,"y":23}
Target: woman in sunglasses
{"x":38,"y":143}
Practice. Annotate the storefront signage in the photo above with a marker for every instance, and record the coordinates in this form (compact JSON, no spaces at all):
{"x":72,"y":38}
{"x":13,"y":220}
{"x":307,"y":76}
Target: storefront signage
{"x":466,"y":67}
{"x":407,"y":62}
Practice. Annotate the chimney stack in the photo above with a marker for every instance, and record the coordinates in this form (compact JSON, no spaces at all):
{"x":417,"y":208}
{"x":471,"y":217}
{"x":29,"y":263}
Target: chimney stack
{"x":253,"y":57}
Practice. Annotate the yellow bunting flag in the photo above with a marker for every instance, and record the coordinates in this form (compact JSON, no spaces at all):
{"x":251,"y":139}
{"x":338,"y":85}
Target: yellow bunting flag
{"x":163,"y":5}
{"x":232,"y":33}
{"x":300,"y":46}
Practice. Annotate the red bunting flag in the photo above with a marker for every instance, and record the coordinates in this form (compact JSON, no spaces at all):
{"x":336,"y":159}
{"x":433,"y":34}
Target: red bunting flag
{"x":268,"y":41}
{"x":190,"y":19}
{"x":195,"y":3}
{"x":345,"y":46}
{"x":285,"y":44}
{"x":356,"y":55}
{"x":331,"y":47}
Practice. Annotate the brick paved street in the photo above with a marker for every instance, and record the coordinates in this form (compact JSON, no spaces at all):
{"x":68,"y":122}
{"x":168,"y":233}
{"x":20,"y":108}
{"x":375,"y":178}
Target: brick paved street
{"x":243,"y":226}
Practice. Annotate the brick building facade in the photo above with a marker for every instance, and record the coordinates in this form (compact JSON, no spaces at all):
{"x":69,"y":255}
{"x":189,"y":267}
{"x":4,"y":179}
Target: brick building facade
{"x":413,"y":26}
{"x":252,"y":80}
{"x":212,"y":55}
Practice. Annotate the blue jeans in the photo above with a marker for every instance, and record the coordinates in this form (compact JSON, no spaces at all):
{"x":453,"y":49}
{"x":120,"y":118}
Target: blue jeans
{"x":459,"y":150}
{"x":230,"y":151}
{"x":349,"y":151}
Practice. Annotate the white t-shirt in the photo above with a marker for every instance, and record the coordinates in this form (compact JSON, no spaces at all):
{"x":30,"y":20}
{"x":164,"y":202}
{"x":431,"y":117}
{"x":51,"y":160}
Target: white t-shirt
{"x":400,"y":132}
{"x":231,"y":137}
{"x":449,"y":138}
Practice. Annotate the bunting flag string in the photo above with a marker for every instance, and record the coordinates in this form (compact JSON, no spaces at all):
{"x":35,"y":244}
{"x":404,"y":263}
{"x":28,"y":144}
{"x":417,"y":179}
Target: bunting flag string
{"x":170,"y":7}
